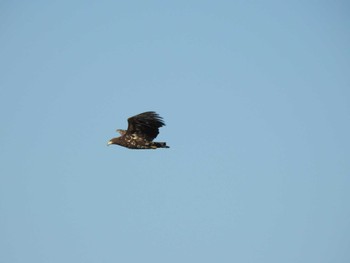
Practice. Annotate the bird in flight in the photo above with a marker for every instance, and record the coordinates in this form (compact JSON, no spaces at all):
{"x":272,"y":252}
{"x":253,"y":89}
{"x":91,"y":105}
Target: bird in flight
{"x":142,"y":130}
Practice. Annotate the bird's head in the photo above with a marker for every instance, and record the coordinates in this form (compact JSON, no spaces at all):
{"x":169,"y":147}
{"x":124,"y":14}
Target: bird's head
{"x":112,"y":141}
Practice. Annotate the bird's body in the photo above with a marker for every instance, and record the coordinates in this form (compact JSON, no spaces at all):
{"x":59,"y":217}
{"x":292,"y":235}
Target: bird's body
{"x":142,"y":130}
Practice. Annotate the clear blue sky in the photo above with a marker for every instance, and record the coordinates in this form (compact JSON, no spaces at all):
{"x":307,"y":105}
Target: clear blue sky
{"x":256,"y":97}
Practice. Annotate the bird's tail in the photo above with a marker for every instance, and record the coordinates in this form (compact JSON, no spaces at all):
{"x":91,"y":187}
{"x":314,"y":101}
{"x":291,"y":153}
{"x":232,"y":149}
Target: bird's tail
{"x":161,"y":145}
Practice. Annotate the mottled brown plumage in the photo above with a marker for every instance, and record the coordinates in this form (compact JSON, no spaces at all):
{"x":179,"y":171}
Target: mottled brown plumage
{"x":142,"y":130}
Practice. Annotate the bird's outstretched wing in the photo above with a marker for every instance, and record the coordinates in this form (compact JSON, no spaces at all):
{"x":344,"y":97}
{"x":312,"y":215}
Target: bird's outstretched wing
{"x":146,"y":124}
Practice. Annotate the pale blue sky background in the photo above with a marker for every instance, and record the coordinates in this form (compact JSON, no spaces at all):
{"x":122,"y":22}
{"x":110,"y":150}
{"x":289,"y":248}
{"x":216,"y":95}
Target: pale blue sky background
{"x":256,"y":97}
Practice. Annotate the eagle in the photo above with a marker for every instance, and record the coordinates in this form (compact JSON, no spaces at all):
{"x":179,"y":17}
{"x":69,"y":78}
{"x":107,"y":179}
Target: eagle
{"x":142,"y":130}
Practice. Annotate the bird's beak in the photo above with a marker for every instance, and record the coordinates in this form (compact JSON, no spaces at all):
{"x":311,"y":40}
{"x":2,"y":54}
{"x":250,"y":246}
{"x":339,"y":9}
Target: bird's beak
{"x":109,"y":143}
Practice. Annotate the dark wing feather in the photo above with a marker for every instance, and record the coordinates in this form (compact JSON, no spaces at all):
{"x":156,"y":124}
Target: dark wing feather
{"x":146,"y":124}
